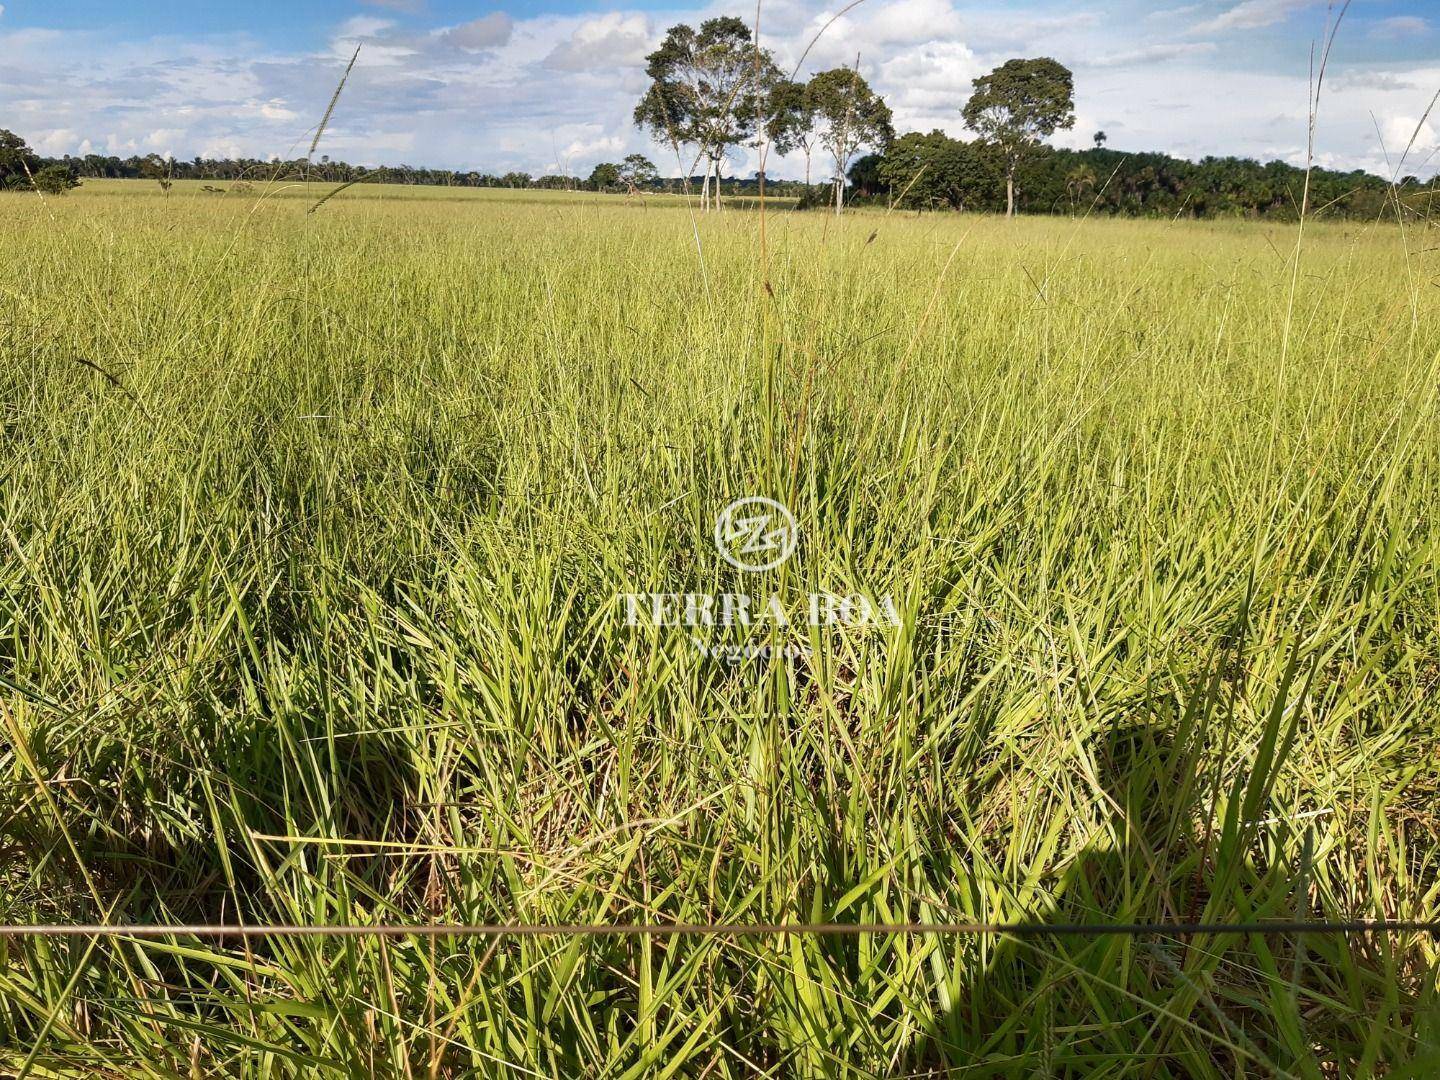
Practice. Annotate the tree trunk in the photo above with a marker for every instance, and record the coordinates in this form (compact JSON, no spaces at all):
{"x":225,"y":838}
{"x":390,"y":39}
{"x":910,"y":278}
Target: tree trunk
{"x":839,"y":196}
{"x":705,"y":188}
{"x":1010,"y":193}
{"x":807,"y":166}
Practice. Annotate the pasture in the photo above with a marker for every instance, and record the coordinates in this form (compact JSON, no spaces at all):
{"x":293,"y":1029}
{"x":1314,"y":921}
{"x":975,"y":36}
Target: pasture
{"x":315,"y":529}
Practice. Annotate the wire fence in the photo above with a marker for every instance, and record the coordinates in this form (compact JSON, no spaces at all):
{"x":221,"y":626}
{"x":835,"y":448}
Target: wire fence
{"x":727,"y":930}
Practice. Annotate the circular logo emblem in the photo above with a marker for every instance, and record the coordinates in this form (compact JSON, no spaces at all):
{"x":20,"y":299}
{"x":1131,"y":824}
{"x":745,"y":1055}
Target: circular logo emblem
{"x":755,"y":534}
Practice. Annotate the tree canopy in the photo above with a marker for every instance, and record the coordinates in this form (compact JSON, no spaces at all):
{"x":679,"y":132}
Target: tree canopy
{"x":935,"y":170}
{"x":1018,"y":104}
{"x":604,"y":176}
{"x":637,"y":171}
{"x":970,"y":176}
{"x":15,"y":158}
{"x":54,"y":179}
{"x":849,"y":115}
{"x":710,"y":89}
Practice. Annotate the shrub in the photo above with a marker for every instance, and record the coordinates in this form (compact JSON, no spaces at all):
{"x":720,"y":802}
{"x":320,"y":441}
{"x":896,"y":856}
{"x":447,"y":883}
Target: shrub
{"x":55,"y":180}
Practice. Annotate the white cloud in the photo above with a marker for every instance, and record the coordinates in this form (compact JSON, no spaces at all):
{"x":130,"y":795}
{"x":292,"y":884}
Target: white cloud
{"x":275,"y":109}
{"x":222,"y":148}
{"x":1370,"y":80}
{"x":361,"y":26}
{"x":114,"y":144}
{"x":1174,"y":13}
{"x":56,"y":143}
{"x":595,"y":148}
{"x":1399,"y":26}
{"x":612,"y":40}
{"x":1407,"y":133}
{"x":926,"y":85}
{"x":910,"y":22}
{"x":1015,"y":33}
{"x":163,"y":137}
{"x":483,"y":33}
{"x":1250,"y":15}
{"x":1153,"y":54}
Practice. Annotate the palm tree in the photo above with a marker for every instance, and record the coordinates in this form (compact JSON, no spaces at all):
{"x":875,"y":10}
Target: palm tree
{"x":1078,"y":181}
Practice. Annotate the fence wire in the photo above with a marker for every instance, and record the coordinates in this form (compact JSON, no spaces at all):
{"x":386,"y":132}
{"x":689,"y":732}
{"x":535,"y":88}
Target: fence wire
{"x":726,"y":930}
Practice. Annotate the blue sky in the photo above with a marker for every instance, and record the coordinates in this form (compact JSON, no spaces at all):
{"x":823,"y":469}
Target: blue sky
{"x":548,"y":86}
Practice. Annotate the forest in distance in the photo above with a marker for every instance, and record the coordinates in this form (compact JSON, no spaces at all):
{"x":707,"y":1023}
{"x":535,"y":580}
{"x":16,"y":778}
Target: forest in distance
{"x":1099,"y":181}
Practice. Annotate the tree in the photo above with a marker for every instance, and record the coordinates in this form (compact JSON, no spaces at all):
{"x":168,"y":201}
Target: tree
{"x":17,"y":161}
{"x":707,"y":90}
{"x":798,"y":107}
{"x":1018,"y":104}
{"x":55,"y":179}
{"x":161,"y":170}
{"x":637,"y":171}
{"x":1100,"y":139}
{"x":663,"y":112}
{"x":604,"y":176}
{"x":850,"y":115}
{"x":1079,"y":182}
{"x":936,"y":170}
{"x":864,"y":175}
{"x":789,"y":120}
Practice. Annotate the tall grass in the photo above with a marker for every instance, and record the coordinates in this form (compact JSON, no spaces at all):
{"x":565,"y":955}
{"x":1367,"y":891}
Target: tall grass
{"x":307,"y":615}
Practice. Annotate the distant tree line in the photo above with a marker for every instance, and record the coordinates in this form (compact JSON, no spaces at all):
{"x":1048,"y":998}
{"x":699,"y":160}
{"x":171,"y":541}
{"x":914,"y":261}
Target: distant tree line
{"x":156,"y":167}
{"x":937,"y":172}
{"x":636,"y":173}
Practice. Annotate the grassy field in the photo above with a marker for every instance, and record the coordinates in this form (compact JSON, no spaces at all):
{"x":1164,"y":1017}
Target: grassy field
{"x":310,"y":192}
{"x":314,"y":528}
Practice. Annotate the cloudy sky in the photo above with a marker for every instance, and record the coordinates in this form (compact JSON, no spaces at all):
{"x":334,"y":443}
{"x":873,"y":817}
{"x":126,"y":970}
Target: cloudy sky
{"x":548,"y":86}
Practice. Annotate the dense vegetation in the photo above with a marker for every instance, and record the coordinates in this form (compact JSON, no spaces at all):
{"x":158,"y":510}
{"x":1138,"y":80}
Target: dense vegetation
{"x":257,"y":170}
{"x":966,"y":176}
{"x":315,"y":526}
{"x":958,"y":175}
